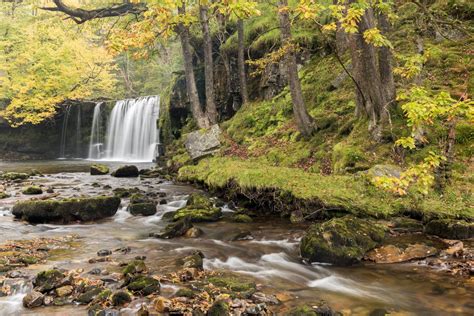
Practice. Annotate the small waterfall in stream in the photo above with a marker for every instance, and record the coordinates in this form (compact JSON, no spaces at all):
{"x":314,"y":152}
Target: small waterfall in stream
{"x":132,"y":133}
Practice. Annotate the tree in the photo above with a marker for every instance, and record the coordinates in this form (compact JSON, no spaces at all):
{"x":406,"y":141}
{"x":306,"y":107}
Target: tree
{"x":304,"y":121}
{"x":241,"y":61}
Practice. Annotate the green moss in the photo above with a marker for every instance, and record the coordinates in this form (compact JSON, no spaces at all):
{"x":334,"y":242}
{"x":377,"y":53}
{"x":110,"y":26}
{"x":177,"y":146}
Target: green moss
{"x":28,"y":259}
{"x":32,"y":190}
{"x":14,"y":176}
{"x":233,"y":283}
{"x":198,"y":200}
{"x":4,"y":195}
{"x":198,"y":215}
{"x":144,"y":285}
{"x":185,"y":292}
{"x":99,"y":169}
{"x":348,"y":158}
{"x":302,"y":311}
{"x":242,"y":218}
{"x":121,"y":298}
{"x":219,"y":308}
{"x":136,"y":266}
{"x":104,"y":295}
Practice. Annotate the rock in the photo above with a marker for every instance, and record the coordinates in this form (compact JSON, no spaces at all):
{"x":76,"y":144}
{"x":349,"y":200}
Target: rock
{"x":394,"y":254}
{"x":126,"y":172}
{"x":198,"y":215}
{"x":134,"y":267}
{"x":46,"y":281}
{"x":256,"y":309}
{"x":67,"y":210}
{"x":260,"y":297}
{"x":143,"y":311}
{"x":162,"y":305}
{"x":450,"y":229}
{"x":4,"y":195}
{"x":185,"y":292}
{"x":177,"y":229}
{"x":193,"y":232}
{"x":14,"y":176}
{"x":104,"y":252}
{"x":219,"y":308}
{"x":242,"y":218}
{"x":163,"y":202}
{"x":50,"y":190}
{"x":384,"y":171}
{"x":239,"y":235}
{"x":89,"y":295}
{"x":341,"y":241}
{"x":234,"y":284}
{"x":455,"y":248}
{"x":33,"y":299}
{"x":125,"y":192}
{"x":406,"y":225}
{"x":202,"y":143}
{"x":64,"y":290}
{"x":99,"y":170}
{"x":32,"y":190}
{"x":141,"y":205}
{"x":144,"y":285}
{"x":95,"y":271}
{"x":195,"y":260}
{"x":121,"y":298}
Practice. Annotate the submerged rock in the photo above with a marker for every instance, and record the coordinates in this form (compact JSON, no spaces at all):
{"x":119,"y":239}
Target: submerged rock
{"x":126,"y":172}
{"x":242,"y":218}
{"x":341,"y":241}
{"x":32,"y":190}
{"x":99,"y":170}
{"x":394,"y":254}
{"x":195,"y":260}
{"x":67,"y":210}
{"x":450,"y":229}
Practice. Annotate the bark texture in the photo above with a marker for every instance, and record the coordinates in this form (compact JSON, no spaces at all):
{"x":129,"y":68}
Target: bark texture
{"x":241,"y":62}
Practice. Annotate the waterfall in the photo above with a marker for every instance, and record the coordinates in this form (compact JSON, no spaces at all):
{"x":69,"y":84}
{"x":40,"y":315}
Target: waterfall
{"x":62,"y":146}
{"x":96,"y":140}
{"x":132,"y":134}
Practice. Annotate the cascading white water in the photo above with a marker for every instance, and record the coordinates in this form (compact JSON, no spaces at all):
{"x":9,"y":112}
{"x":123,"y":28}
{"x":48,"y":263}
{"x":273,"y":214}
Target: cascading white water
{"x":132,"y":134}
{"x":96,"y":141}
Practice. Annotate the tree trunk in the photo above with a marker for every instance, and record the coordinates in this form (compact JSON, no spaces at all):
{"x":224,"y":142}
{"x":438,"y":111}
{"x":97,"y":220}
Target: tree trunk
{"x":304,"y":121}
{"x":385,"y":62}
{"x":443,"y":172}
{"x":241,"y":62}
{"x":198,"y":114}
{"x":371,"y":101}
{"x":211,"y":108}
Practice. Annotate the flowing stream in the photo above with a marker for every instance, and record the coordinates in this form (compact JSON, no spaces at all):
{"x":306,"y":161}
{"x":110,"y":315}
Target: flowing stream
{"x":271,"y":258}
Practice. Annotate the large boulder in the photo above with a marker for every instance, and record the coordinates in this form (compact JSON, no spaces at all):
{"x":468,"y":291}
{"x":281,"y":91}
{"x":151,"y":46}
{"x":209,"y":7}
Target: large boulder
{"x":341,"y":241}
{"x":199,"y":208}
{"x":33,"y":299}
{"x":14,"y":176}
{"x":48,"y":280}
{"x":202,"y":143}
{"x":384,"y":171}
{"x":67,"y":210}
{"x":99,"y":170}
{"x":450,"y":229}
{"x":32,"y":190}
{"x":141,"y":205}
{"x":126,"y":172}
{"x":177,"y":229}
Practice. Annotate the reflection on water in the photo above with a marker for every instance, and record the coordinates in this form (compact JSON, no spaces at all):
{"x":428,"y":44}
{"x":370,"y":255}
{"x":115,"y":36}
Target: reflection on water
{"x":271,"y":258}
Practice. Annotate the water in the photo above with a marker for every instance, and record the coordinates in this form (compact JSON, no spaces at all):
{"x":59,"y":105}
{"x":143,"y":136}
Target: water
{"x":271,"y":258}
{"x":62,"y":146}
{"x":132,"y":133}
{"x":97,"y":139}
{"x":71,"y":143}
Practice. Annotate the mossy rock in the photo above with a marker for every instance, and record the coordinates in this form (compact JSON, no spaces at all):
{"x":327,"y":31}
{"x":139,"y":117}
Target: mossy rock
{"x":233,"y":283}
{"x":177,"y":229}
{"x":144,"y":285}
{"x":199,"y":200}
{"x":136,"y":266}
{"x":14,"y":176}
{"x":48,"y":280}
{"x":185,"y":292}
{"x":450,"y":229}
{"x":67,"y":210}
{"x":121,"y":298}
{"x":126,"y":172}
{"x":145,"y":209}
{"x":125,"y":192}
{"x":197,"y":215}
{"x":32,"y":190}
{"x":89,"y":295}
{"x":4,"y":195}
{"x":303,"y":311}
{"x":242,"y":218}
{"x":194,"y":260}
{"x":341,"y":241}
{"x":219,"y":308}
{"x":28,"y":259}
{"x":99,"y":170}
{"x":348,"y":158}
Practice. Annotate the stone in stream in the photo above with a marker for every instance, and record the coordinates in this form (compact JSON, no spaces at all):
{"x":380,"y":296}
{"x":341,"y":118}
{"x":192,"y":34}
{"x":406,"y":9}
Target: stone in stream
{"x":141,"y":205}
{"x":99,"y":170}
{"x":143,"y":285}
{"x":89,"y":295}
{"x":126,"y":172}
{"x":14,"y":176}
{"x":173,"y":230}
{"x":341,"y":241}
{"x":33,"y":299}
{"x":219,"y":308}
{"x":67,"y":210}
{"x":121,"y":298}
{"x":104,"y":252}
{"x":48,"y":280}
{"x":202,"y":143}
{"x":4,"y":195}
{"x":193,"y":232}
{"x":32,"y":190}
{"x":394,"y":254}
{"x":450,"y":229}
{"x":194,"y":260}
{"x":199,"y":208}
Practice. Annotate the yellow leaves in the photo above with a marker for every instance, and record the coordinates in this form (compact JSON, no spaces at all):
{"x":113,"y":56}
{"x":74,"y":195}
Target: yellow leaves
{"x":349,"y":22}
{"x":374,"y":37}
{"x":331,"y":27}
{"x":271,"y":58}
{"x":309,"y":9}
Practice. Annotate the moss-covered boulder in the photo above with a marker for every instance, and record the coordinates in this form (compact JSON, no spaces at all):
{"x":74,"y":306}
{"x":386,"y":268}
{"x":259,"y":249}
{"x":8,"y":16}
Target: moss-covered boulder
{"x":33,"y":299}
{"x":143,"y":285}
{"x":341,"y":241}
{"x":48,"y":280}
{"x":199,"y":208}
{"x":14,"y":176}
{"x":141,"y":205}
{"x":121,"y":298}
{"x":99,"y":170}
{"x":241,"y":218}
{"x":134,"y":267}
{"x":125,"y":192}
{"x":67,"y":210}
{"x":89,"y":295}
{"x":219,"y":308}
{"x":235,"y":286}
{"x":126,"y":172}
{"x":32,"y":190}
{"x":450,"y":229}
{"x":177,"y":229}
{"x":194,"y":260}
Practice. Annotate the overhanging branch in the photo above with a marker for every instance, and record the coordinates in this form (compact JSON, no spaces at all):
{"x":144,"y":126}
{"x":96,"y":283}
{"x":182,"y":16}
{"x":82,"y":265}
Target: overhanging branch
{"x":80,"y":16}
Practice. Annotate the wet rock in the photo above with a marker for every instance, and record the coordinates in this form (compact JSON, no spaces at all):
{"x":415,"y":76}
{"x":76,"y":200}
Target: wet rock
{"x":450,"y":229}
{"x":48,"y":300}
{"x":177,"y":229}
{"x":242,"y":218}
{"x":163,"y":202}
{"x":260,"y":297}
{"x":134,"y":267}
{"x":240,"y":235}
{"x":141,"y":205}
{"x":256,"y":309}
{"x":394,"y":254}
{"x":4,"y":195}
{"x":219,"y":308}
{"x":50,"y":190}
{"x":121,"y":298}
{"x":144,"y":285}
{"x":89,"y":295}
{"x":193,"y":232}
{"x":14,"y":176}
{"x":125,"y":192}
{"x":406,"y":225}
{"x":455,"y":248}
{"x":341,"y":241}
{"x":67,"y":210}
{"x":48,"y":280}
{"x":379,"y":312}
{"x":33,"y":299}
{"x":237,"y":285}
{"x":99,"y":169}
{"x":185,"y":292}
{"x":32,"y":190}
{"x":195,"y":260}
{"x":95,"y":271}
{"x":143,"y":311}
{"x":64,"y":290}
{"x":203,"y":143}
{"x":126,"y":172}
{"x":104,"y":252}
{"x":162,"y":304}
{"x":16,"y":275}
{"x":199,"y":208}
